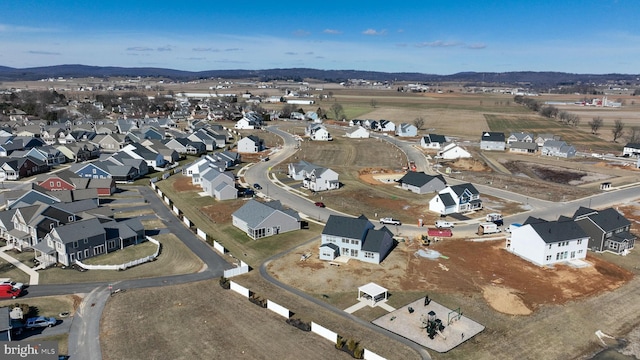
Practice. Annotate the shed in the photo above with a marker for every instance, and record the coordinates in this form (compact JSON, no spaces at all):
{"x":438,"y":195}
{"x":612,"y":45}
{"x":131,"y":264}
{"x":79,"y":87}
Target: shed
{"x":373,"y":292}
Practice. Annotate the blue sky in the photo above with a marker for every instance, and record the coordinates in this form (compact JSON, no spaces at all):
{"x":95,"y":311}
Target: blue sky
{"x":435,"y":37}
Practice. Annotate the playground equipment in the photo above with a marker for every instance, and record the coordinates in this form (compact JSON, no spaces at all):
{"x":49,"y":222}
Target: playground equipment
{"x":432,"y":325}
{"x":454,"y":315}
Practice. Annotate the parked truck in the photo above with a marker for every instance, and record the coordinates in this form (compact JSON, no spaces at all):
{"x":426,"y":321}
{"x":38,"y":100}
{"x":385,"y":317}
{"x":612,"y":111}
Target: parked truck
{"x":488,"y":228}
{"x":439,"y":232}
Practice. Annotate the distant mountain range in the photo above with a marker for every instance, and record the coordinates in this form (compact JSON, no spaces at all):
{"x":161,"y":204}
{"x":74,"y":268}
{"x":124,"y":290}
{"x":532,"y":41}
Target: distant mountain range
{"x":523,"y":78}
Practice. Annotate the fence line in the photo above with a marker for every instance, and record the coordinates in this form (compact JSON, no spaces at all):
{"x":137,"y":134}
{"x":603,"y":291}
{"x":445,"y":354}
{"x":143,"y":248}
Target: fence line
{"x":125,"y":265}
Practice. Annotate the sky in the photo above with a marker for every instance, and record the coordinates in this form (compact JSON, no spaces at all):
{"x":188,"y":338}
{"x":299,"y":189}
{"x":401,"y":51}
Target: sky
{"x":431,"y":37}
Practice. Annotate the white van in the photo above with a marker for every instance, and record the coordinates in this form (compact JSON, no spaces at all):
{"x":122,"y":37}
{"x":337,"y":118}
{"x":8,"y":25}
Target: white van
{"x":441,"y":224}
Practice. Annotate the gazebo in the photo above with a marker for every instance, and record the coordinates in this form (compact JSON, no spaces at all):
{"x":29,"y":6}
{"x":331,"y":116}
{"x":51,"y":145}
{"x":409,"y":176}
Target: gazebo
{"x":373,"y":292}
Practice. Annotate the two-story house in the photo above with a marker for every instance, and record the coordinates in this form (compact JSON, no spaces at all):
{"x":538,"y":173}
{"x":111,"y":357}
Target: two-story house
{"x":354,"y":238}
{"x":608,"y":230}
{"x":456,"y":199}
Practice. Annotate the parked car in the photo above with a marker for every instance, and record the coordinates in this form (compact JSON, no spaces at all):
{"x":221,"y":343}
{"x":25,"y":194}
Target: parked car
{"x":441,"y":224}
{"x":257,"y":186}
{"x":7,"y":291}
{"x":390,"y":221}
{"x":40,"y":321}
{"x":320,"y":204}
{"x":15,"y":285}
{"x":264,"y":159}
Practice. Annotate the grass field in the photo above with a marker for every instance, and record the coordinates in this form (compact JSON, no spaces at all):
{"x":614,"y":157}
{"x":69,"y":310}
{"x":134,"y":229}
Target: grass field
{"x":7,"y":270}
{"x":48,"y":305}
{"x":174,"y":259}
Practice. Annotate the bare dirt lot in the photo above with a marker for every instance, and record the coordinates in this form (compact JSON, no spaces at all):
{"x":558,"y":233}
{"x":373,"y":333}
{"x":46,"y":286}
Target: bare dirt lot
{"x":508,"y":283}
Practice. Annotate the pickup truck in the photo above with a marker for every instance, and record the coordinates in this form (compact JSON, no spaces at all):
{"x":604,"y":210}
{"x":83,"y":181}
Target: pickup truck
{"x":390,"y":221}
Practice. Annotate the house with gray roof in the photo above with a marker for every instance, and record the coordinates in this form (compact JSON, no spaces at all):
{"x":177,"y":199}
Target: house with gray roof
{"x":261,"y":219}
{"x":558,"y":148}
{"x":355,"y":238}
{"x":314,"y":177}
{"x":406,"y":130}
{"x":87,"y":238}
{"x":608,"y":230}
{"x":217,"y":184}
{"x":546,"y":243}
{"x":523,"y":147}
{"x":456,"y":199}
{"x":421,"y":183}
{"x":520,"y":137}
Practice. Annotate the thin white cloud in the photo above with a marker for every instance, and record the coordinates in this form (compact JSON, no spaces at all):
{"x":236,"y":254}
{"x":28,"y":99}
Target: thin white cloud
{"x":301,"y":32}
{"x":40,"y":52}
{"x":205,"y":49}
{"x":291,"y":53}
{"x":332,"y":31}
{"x":477,"y":46}
{"x":8,"y":28}
{"x":438,"y":43}
{"x":374,"y":32}
{"x":233,"y":49}
{"x":139,"y":48}
{"x":165,"y":48}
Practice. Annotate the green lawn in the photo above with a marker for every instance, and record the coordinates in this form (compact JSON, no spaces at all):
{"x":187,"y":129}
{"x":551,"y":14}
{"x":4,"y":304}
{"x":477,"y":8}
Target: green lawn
{"x":122,"y":256}
{"x":174,"y":259}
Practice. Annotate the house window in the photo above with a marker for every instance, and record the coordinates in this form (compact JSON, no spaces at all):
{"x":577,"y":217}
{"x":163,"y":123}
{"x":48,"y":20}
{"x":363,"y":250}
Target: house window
{"x":51,"y":183}
{"x":344,"y":251}
{"x":368,"y":254}
{"x":70,"y":218}
{"x":355,"y":242}
{"x":86,"y":241}
{"x":579,"y":251}
{"x":354,"y":253}
{"x":86,"y":253}
{"x":550,"y":246}
{"x":345,"y":241}
{"x":75,"y":244}
{"x":112,"y":244}
{"x":579,"y":241}
{"x":79,"y":255}
{"x":573,"y":254}
{"x":93,"y":171}
{"x":58,"y":184}
{"x":548,"y":257}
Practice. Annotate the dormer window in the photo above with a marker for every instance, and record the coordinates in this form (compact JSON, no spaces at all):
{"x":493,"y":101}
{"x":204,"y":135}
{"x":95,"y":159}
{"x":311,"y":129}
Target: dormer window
{"x":70,"y":218}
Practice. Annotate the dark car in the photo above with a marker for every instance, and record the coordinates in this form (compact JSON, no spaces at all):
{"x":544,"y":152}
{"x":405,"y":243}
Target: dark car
{"x":257,"y":186}
{"x":320,"y":204}
{"x":499,"y":222}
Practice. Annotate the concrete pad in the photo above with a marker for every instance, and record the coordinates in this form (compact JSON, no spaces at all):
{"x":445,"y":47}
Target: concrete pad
{"x":409,"y":325}
{"x":385,"y":306}
{"x":356,"y":307}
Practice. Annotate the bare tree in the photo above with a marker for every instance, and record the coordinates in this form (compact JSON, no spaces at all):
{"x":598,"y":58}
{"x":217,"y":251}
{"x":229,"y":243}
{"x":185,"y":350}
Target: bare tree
{"x":618,"y":129}
{"x":549,"y":111}
{"x":633,"y":134}
{"x":596,"y":124}
{"x":337,"y":111}
{"x":418,"y":122}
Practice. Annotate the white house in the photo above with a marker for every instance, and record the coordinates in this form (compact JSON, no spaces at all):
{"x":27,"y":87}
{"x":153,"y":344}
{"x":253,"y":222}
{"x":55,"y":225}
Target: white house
{"x":383,"y":125}
{"x":558,"y":148}
{"x":219,"y":185}
{"x":314,"y":178}
{"x":354,"y":238}
{"x":456,"y":199}
{"x":453,"y":151}
{"x":492,"y":141}
{"x":631,"y":149}
{"x":359,"y":133}
{"x":520,"y":137}
{"x":318,"y":132}
{"x":250,"y":144}
{"x":432,"y":141}
{"x":546,"y":243}
{"x":406,"y":130}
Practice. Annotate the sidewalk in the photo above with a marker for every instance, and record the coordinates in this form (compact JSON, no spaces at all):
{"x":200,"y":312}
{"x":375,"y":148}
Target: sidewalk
{"x":34,"y":275}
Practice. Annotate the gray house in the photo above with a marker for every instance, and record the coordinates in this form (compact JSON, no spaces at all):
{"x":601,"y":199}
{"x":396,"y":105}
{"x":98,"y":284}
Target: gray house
{"x":406,"y":130}
{"x":608,"y":230}
{"x":220,"y":185}
{"x":558,"y":148}
{"x":355,"y":238}
{"x":258,"y":219}
{"x":421,"y":183}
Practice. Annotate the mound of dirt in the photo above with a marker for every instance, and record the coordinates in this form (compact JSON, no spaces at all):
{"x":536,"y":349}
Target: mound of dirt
{"x":504,"y":300}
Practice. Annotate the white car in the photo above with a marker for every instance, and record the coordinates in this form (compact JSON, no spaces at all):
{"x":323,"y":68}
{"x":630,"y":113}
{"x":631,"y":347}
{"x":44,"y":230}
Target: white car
{"x":390,"y":221}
